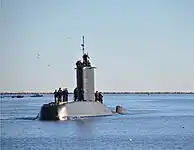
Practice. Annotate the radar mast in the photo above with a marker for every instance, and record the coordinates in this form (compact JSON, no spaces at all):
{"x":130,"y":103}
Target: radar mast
{"x":83,"y":45}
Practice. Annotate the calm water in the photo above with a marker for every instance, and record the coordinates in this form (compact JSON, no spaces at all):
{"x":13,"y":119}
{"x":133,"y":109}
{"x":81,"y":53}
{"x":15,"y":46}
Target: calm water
{"x":152,"y":122}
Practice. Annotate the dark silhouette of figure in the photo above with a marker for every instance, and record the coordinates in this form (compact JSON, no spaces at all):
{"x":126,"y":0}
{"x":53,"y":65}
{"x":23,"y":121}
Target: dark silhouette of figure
{"x":59,"y":95}
{"x":82,"y":95}
{"x":100,"y":96}
{"x":79,"y":63}
{"x":96,"y":96}
{"x":65,"y":95}
{"x":55,"y":95}
{"x":75,"y":94}
{"x":85,"y":59}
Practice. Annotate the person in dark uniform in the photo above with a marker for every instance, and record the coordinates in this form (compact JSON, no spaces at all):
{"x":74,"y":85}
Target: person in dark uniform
{"x":65,"y":95}
{"x":82,"y":95}
{"x":85,"y":59}
{"x":59,"y":94}
{"x":55,"y":95}
{"x":75,"y":94}
{"x":96,"y":96}
{"x":79,"y":63}
{"x":100,"y":96}
{"x":88,"y":63}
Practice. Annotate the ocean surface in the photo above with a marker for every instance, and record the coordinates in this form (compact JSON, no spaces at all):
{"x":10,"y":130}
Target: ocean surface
{"x":157,"y":122}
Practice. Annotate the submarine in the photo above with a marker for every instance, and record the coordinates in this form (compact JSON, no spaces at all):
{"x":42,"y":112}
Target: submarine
{"x":85,"y":105}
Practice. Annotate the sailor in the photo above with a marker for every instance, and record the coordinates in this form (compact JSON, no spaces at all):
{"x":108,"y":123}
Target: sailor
{"x":96,"y":96}
{"x":55,"y":95}
{"x":65,"y":95}
{"x":82,"y":95}
{"x":88,"y":63}
{"x":59,"y":95}
{"x":85,"y":59}
{"x":75,"y":94}
{"x":100,"y":96}
{"x":79,"y":63}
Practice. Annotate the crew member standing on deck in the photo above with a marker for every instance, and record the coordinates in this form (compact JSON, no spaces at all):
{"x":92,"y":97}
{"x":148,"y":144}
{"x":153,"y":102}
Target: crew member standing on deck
{"x":59,"y":94}
{"x":55,"y":95}
{"x":75,"y":94}
{"x":65,"y":95}
{"x":82,"y":95}
{"x":100,"y":96}
{"x":96,"y":96}
{"x":85,"y":60}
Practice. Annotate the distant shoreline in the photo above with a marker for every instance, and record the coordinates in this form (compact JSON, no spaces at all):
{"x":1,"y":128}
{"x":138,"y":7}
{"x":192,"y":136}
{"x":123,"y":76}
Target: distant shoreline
{"x":28,"y":93}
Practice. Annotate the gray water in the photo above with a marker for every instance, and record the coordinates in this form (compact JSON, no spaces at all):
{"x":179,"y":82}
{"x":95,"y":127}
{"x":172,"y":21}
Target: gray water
{"x":157,"y":122}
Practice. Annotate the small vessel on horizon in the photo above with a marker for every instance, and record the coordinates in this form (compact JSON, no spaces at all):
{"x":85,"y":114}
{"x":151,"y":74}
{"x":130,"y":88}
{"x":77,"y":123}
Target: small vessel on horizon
{"x":37,"y":95}
{"x":18,"y":96}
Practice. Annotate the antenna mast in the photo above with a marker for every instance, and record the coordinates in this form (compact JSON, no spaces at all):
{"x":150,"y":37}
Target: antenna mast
{"x":83,"y":45}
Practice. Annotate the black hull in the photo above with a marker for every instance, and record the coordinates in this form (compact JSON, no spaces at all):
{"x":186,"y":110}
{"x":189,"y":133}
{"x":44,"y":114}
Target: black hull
{"x":49,"y":112}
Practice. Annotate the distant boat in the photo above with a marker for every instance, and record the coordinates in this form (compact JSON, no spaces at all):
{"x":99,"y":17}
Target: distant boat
{"x":18,"y":96}
{"x":37,"y":95}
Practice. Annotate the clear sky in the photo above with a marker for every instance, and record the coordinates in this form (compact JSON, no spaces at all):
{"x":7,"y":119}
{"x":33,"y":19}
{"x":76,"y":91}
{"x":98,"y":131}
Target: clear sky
{"x":136,"y":45}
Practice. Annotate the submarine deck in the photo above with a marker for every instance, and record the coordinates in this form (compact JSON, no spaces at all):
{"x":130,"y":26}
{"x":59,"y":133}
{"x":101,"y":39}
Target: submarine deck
{"x":53,"y":111}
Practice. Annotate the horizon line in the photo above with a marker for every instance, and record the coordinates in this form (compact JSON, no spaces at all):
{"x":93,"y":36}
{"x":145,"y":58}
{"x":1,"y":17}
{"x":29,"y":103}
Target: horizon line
{"x":109,"y":92}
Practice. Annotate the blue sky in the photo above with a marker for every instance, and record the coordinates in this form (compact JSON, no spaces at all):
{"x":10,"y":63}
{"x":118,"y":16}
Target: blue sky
{"x":135,"y":45}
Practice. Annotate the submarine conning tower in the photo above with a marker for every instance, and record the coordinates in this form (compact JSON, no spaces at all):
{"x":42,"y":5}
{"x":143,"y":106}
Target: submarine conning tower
{"x":84,"y":104}
{"x":85,"y":78}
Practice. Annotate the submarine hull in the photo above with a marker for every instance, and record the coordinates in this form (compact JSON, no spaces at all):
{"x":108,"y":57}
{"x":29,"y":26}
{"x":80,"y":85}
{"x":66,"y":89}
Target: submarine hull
{"x":64,"y":111}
